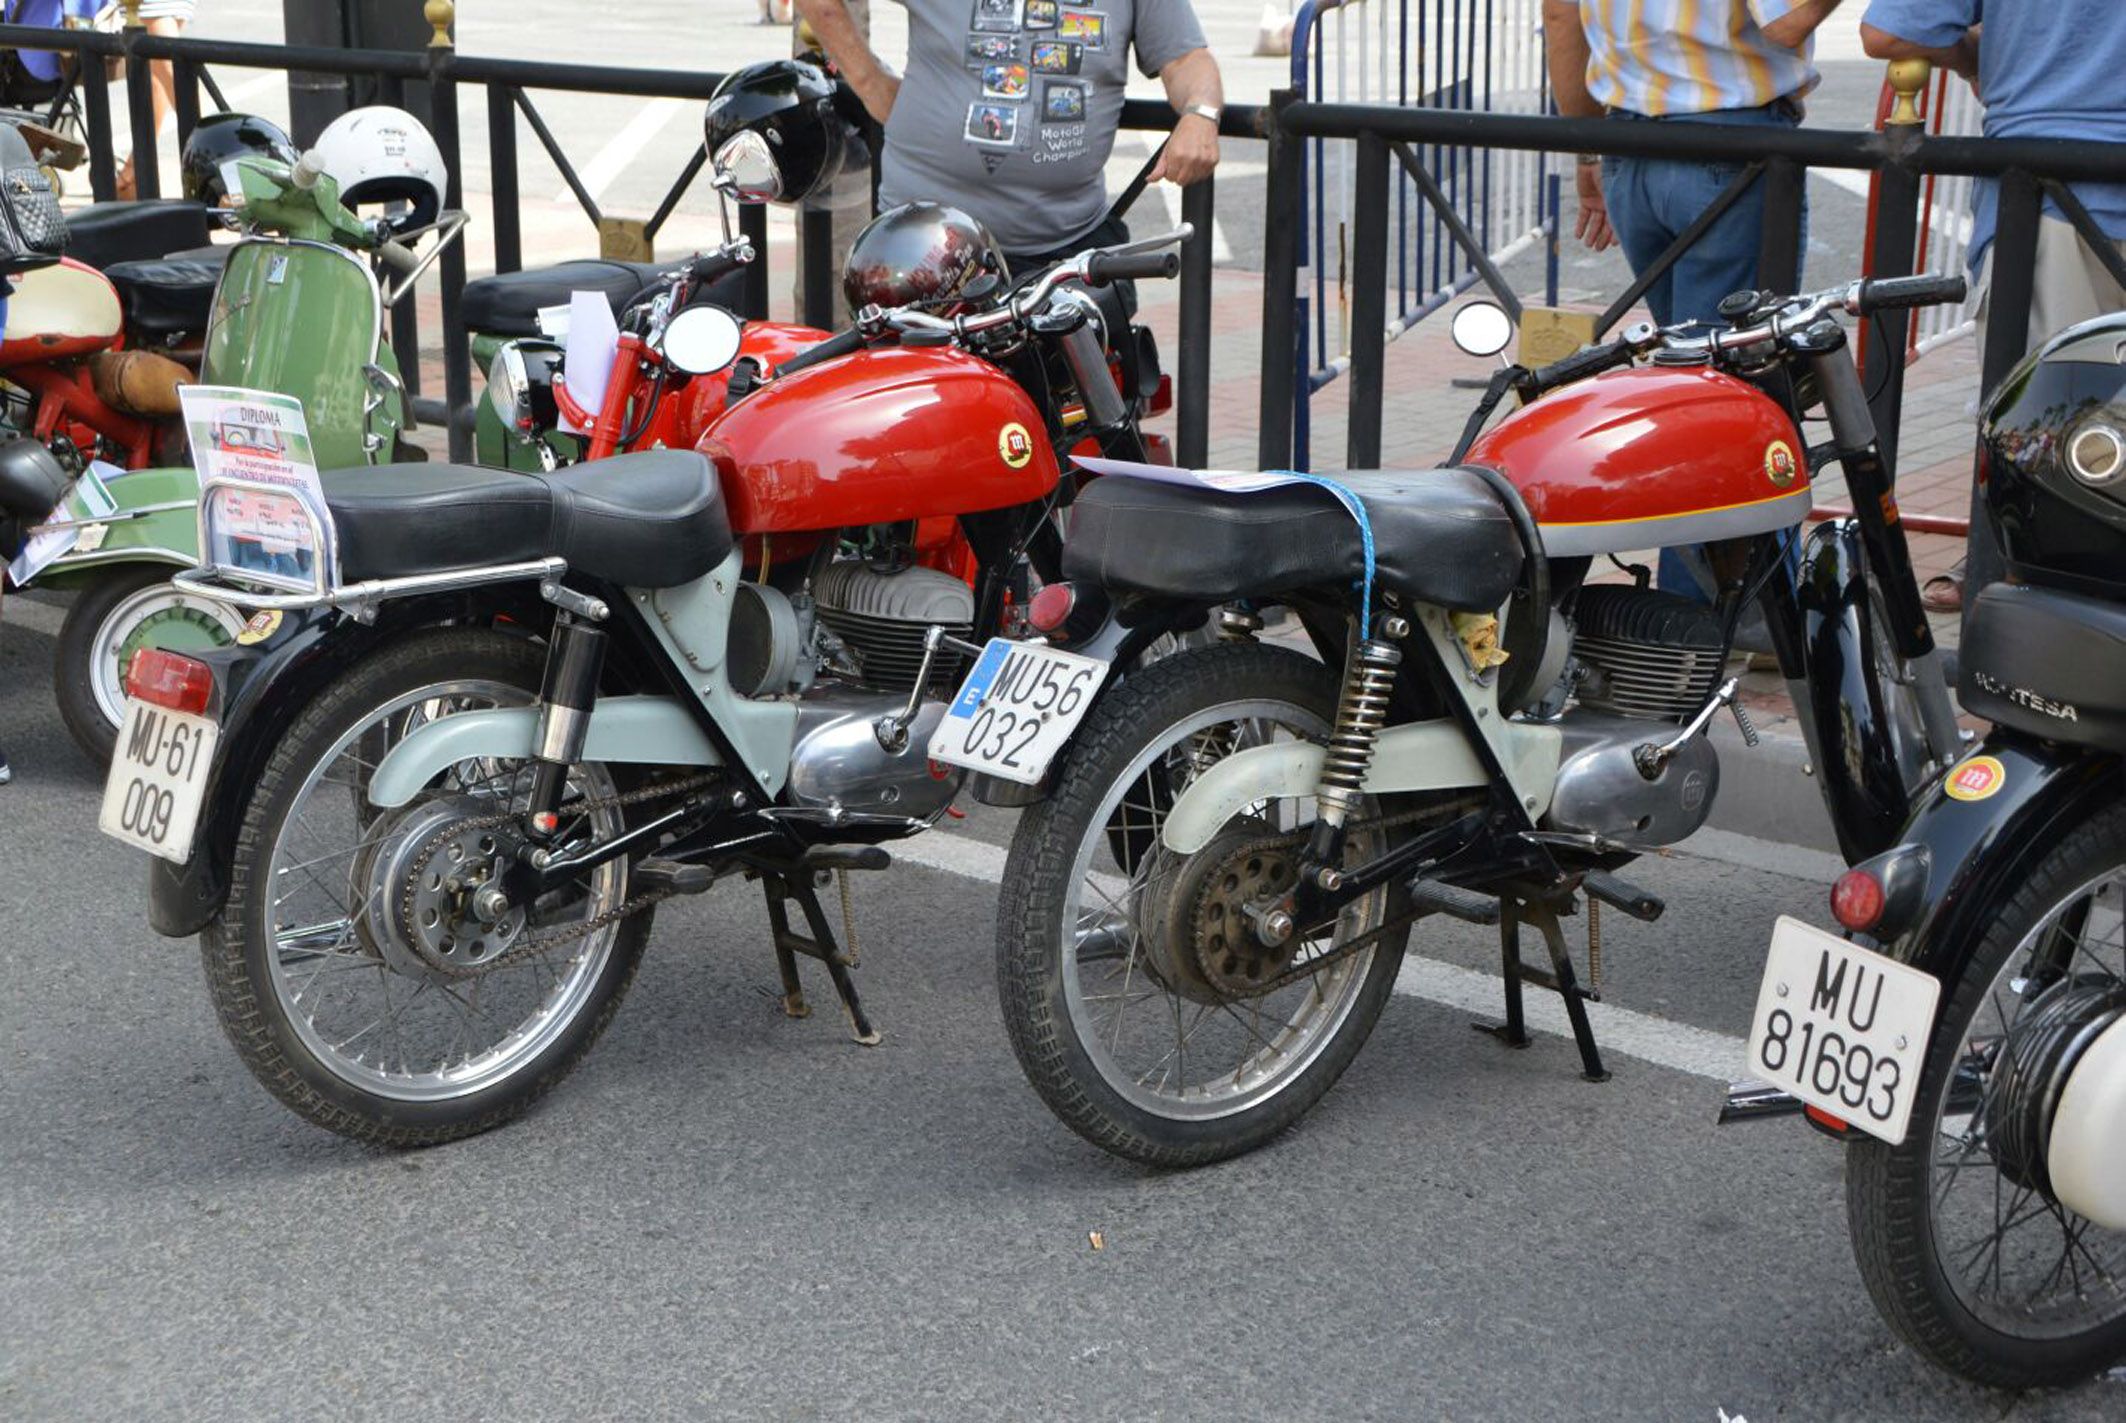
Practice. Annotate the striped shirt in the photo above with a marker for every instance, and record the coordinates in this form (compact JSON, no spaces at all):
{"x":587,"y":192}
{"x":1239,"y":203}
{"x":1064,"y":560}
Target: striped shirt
{"x":1667,"y":57}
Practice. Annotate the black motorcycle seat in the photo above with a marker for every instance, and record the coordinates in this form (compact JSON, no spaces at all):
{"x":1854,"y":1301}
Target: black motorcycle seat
{"x":653,"y":520}
{"x":509,"y":303}
{"x":105,"y":233}
{"x":1439,"y":536}
{"x":170,"y":297}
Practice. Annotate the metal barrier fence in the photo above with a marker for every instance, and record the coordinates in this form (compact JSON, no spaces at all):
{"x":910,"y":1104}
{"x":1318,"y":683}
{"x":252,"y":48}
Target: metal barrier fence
{"x":508,"y":85}
{"x":1453,"y":209}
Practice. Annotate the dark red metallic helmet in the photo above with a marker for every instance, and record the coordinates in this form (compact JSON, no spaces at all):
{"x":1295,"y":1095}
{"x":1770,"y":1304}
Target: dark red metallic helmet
{"x":923,"y":254}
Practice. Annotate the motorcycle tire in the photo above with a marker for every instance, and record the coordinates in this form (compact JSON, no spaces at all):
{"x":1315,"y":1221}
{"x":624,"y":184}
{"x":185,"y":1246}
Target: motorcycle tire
{"x":1051,"y":1024}
{"x":1899,"y":1199}
{"x":240,"y":956}
{"x":113,"y":611}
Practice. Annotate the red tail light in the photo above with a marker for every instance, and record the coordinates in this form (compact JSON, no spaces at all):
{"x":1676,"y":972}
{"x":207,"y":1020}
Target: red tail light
{"x":1827,"y":1124}
{"x":1050,"y":608}
{"x":1162,"y":397}
{"x":170,"y":680}
{"x":1857,"y":900}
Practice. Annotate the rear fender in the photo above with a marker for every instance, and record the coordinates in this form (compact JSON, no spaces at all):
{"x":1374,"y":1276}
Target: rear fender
{"x":655,"y":731}
{"x":1979,"y":850}
{"x":283,"y":672}
{"x":156,"y":521}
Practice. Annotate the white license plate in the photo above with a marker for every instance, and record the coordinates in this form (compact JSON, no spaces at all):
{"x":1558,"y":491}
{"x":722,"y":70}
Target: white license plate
{"x":1016,"y":709}
{"x":158,"y":779}
{"x":1842,"y":1028}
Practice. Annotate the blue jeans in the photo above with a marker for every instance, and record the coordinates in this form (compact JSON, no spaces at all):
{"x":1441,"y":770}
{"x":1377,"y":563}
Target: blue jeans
{"x":1652,"y":201}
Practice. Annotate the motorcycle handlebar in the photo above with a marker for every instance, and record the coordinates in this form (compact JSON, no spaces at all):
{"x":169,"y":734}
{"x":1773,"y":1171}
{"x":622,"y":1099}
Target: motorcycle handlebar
{"x":1580,"y":365}
{"x":1899,"y":293}
{"x":1104,"y":267}
{"x":710,"y":265}
{"x":398,"y":256}
{"x":840,"y":344}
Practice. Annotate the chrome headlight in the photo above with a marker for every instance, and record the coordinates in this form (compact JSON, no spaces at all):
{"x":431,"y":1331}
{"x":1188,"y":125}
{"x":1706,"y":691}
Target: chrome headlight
{"x":2096,"y":453}
{"x":509,"y":389}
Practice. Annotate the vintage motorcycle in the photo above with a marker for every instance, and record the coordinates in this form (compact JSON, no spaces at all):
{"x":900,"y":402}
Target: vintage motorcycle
{"x":1204,"y":909}
{"x":1967,"y":1036}
{"x":421,"y":814}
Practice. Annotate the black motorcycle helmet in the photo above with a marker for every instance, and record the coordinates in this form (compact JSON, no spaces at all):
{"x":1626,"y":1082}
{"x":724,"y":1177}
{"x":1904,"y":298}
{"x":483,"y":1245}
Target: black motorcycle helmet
{"x":31,"y":481}
{"x":217,"y":138}
{"x":777,"y":129}
{"x":923,"y":254}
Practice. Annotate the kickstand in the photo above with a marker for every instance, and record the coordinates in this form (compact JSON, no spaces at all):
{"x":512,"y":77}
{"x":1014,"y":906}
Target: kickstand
{"x":1560,"y":979}
{"x":818,"y":944}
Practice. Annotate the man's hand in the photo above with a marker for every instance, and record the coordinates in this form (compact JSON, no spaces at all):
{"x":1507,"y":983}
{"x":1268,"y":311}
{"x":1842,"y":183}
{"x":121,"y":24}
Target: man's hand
{"x":1592,"y":226}
{"x":1192,"y":152}
{"x":1959,"y":58}
{"x":1190,"y":155}
{"x":852,"y":57}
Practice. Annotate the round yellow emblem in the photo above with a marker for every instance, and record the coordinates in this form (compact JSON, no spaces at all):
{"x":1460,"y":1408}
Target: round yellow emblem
{"x":1976,"y":779}
{"x":1779,"y":464}
{"x":259,"y":626}
{"x":1015,"y":445}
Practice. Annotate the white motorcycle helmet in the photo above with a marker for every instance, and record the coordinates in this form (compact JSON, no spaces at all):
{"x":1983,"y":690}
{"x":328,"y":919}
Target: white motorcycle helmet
{"x":382,"y":156}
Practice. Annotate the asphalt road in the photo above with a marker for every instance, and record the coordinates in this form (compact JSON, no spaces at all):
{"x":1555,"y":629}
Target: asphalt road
{"x":727,"y":1214}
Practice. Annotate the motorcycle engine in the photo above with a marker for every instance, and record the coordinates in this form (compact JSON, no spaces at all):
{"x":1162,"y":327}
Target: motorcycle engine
{"x":882,"y":616}
{"x":1642,"y":663}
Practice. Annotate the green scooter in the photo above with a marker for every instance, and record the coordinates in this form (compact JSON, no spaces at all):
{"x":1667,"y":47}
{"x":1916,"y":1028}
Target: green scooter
{"x":300,"y":310}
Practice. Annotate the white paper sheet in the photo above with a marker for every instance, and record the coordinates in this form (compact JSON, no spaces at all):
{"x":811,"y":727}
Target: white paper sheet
{"x":592,"y":341}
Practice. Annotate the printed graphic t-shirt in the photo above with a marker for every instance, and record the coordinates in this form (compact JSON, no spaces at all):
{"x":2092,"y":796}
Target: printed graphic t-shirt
{"x":1008,"y":109}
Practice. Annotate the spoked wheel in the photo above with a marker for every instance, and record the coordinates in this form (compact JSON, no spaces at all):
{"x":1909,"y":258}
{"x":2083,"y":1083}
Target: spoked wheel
{"x":363,"y":966}
{"x":1956,"y":1230}
{"x":1142,"y":1003}
{"x":111,"y":620}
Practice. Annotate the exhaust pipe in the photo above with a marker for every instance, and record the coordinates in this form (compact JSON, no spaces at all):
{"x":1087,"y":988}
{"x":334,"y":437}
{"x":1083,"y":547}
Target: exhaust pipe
{"x":1751,"y":1100}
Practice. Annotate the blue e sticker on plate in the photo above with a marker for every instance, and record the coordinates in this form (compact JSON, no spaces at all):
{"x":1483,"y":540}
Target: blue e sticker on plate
{"x":979,"y":679}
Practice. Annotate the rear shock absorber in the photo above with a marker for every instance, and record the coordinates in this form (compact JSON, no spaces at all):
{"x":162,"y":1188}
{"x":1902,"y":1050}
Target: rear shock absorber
{"x":1369,"y":681}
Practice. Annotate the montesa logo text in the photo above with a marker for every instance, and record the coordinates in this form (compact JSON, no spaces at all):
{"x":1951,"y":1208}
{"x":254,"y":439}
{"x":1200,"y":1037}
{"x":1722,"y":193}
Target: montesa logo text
{"x":2024,"y":697}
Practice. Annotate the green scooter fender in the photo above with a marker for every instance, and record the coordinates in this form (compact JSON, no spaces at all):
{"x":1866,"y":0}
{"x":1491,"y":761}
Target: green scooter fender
{"x":156,"y":521}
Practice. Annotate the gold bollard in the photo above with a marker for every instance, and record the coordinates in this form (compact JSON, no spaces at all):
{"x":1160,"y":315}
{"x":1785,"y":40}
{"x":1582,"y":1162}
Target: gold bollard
{"x":132,"y":15}
{"x":440,"y":14}
{"x":1908,"y":77}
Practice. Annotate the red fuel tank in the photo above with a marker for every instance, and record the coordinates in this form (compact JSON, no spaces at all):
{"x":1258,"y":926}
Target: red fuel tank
{"x":878,"y":437}
{"x":1647,"y":458}
{"x":769,"y":343}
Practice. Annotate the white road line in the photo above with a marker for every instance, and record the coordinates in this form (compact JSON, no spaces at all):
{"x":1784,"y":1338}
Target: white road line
{"x":1793,"y":861}
{"x":624,"y":147}
{"x":1679,"y":1046}
{"x":32,"y":617}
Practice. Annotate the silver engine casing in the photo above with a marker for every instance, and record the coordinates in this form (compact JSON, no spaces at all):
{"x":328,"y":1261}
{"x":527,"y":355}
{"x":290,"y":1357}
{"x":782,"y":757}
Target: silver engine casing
{"x":840,"y":765}
{"x":882,"y":618}
{"x":1600,"y":791}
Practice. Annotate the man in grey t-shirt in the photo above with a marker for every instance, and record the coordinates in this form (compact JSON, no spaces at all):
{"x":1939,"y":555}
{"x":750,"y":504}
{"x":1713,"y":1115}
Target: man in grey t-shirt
{"x":1009,"y":108}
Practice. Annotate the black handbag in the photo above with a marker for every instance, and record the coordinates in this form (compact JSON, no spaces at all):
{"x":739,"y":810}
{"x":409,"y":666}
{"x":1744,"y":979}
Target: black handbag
{"x":32,"y":229}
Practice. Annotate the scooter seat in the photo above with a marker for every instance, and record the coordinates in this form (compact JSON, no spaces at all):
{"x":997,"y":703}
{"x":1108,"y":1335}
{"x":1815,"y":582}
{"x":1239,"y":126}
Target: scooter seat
{"x":102,"y":234}
{"x":1439,"y":536}
{"x":168,"y":298}
{"x":509,"y":303}
{"x":653,"y":520}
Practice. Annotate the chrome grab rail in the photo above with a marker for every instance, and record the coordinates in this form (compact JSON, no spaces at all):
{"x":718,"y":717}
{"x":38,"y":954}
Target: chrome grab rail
{"x":360,"y":599}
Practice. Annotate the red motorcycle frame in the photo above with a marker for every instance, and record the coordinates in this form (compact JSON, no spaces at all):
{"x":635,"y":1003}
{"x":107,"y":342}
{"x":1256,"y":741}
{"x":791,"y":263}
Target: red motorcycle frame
{"x":65,"y":326}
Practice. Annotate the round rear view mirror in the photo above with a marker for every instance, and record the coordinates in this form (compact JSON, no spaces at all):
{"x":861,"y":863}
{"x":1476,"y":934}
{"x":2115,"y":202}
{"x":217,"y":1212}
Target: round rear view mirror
{"x":747,"y":163}
{"x":702,"y":340}
{"x":1482,"y":328}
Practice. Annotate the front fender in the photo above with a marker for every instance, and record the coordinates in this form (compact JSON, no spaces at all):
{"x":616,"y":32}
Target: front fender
{"x":641,"y":730}
{"x":1979,"y":850}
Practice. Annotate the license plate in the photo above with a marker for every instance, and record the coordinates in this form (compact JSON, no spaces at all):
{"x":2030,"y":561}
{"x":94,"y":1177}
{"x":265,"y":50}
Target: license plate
{"x":1016,"y":709}
{"x":158,"y":779}
{"x":1842,"y":1028}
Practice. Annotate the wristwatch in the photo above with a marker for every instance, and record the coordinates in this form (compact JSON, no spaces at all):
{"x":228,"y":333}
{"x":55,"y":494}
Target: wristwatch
{"x":1205,"y":111}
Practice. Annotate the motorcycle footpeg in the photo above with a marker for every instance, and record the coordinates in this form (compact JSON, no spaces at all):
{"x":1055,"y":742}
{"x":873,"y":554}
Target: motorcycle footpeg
{"x":671,"y":877}
{"x":1640,"y":904}
{"x":1463,"y":904}
{"x":845,"y":857}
